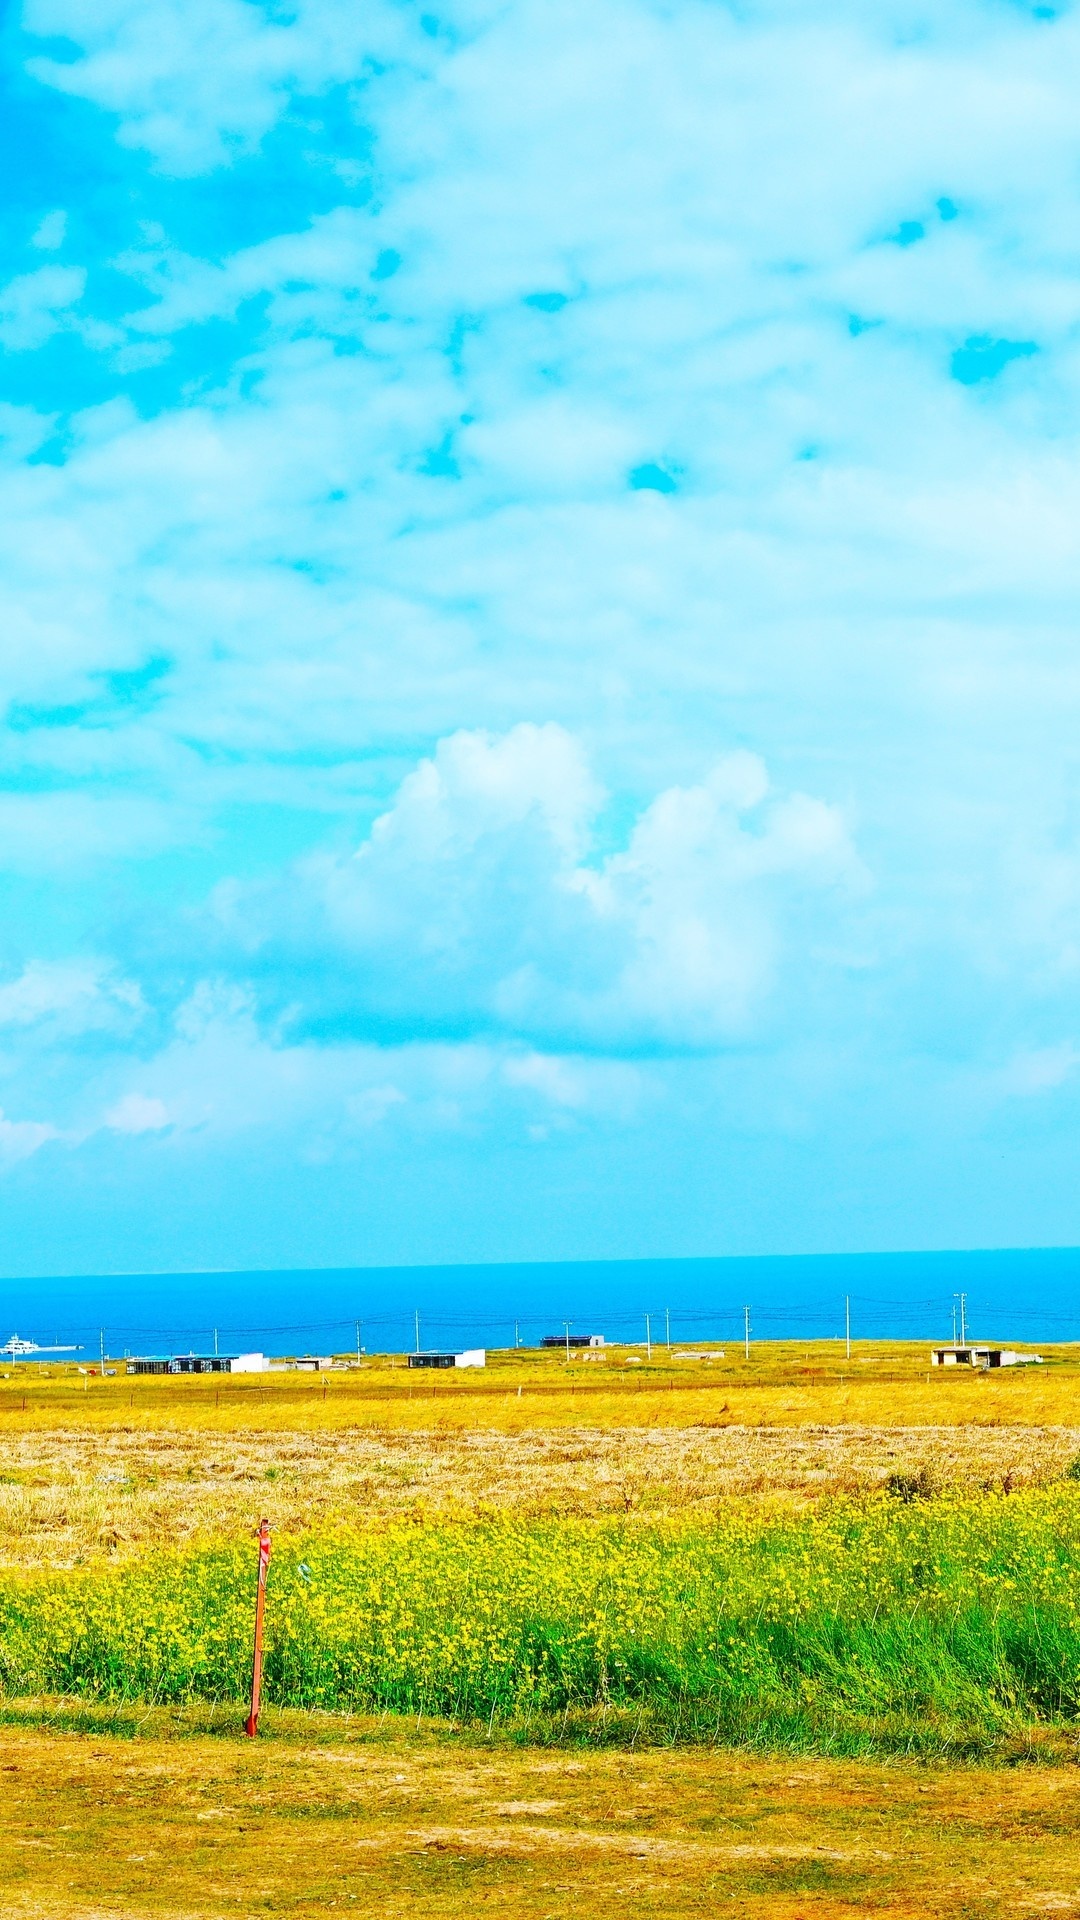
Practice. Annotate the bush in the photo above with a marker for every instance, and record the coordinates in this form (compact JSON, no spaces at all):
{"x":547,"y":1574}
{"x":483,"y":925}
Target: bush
{"x":922,"y":1484}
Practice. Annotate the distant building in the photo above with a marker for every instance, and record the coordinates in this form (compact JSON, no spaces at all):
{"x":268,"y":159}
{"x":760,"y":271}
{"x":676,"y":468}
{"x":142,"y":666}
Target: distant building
{"x":982,"y":1357}
{"x":182,"y":1363}
{"x":472,"y":1357}
{"x":572,"y":1340}
{"x":199,"y":1363}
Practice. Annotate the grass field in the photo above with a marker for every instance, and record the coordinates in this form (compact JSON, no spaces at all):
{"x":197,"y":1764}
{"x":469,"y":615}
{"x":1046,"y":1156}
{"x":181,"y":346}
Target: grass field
{"x":664,"y":1593}
{"x":155,"y":1816}
{"x":150,"y":1816}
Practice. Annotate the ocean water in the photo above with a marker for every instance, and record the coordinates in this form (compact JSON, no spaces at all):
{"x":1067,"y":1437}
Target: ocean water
{"x":1024,"y":1295}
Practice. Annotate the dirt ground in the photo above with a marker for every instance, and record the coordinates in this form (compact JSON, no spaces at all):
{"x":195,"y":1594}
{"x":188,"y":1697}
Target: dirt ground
{"x":355,"y":1818}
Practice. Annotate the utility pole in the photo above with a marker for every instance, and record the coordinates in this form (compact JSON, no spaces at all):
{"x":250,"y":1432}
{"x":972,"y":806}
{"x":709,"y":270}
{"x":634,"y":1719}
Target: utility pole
{"x":847,"y":1324}
{"x":746,"y":1330}
{"x":517,"y":1341}
{"x":962,"y":1297}
{"x":648,"y":1339}
{"x":954,"y":1323}
{"x":101,"y":1338}
{"x":215,"y":1341}
{"x":358,"y":1343}
{"x":567,"y":1324}
{"x":416,"y":1317}
{"x":667,"y":1329}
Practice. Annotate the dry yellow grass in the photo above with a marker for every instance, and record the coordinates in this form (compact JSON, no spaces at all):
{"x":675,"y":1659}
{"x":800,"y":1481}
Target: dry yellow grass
{"x":354,"y":1818}
{"x":70,"y":1496}
{"x":783,"y":1384}
{"x":91,"y":1467}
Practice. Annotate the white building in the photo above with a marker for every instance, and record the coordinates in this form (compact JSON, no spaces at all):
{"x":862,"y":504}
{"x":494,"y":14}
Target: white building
{"x":472,"y":1357}
{"x":982,"y":1357}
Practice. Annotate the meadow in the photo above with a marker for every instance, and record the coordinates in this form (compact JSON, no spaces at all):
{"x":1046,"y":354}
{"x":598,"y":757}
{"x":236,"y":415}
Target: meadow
{"x":881,"y":1624}
{"x":538,"y":1574}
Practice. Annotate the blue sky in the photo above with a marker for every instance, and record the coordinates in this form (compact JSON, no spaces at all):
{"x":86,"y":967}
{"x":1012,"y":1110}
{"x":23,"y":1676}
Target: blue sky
{"x":538,"y":608}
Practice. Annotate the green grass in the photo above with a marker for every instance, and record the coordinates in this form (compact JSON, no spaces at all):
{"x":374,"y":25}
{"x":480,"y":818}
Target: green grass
{"x":932,"y":1626}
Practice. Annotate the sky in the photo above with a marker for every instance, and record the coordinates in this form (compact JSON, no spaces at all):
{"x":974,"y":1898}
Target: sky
{"x":538,"y":611}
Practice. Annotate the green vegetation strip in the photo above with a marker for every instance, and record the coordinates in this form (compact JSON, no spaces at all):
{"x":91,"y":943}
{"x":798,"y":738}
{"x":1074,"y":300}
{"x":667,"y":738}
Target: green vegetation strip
{"x":938,"y":1625}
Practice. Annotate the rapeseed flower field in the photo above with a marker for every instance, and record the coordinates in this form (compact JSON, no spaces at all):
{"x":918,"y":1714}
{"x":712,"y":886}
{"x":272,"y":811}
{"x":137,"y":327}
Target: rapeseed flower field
{"x":869,"y":1623}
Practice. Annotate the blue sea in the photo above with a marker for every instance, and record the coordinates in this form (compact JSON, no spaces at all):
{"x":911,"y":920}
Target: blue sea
{"x":1024,"y":1295}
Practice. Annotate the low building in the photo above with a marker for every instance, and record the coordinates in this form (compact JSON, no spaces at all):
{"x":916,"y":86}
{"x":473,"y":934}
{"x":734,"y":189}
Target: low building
{"x":182,"y":1363}
{"x":982,"y":1357}
{"x":572,"y":1340}
{"x":198,"y":1363}
{"x":472,"y":1357}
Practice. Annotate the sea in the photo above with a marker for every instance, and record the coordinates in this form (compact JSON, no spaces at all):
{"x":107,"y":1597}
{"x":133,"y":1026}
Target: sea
{"x":1023,"y":1295}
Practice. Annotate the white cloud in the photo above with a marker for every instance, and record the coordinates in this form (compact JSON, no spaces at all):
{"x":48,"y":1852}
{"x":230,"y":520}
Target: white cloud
{"x":51,"y":231}
{"x":138,"y":1113}
{"x":483,"y":902}
{"x":36,"y":305}
{"x":19,"y":1139}
{"x":371,"y":1106}
{"x":70,"y":998}
{"x":575,"y":1084}
{"x":1033,"y":1071}
{"x":195,"y":81}
{"x":313,"y":269}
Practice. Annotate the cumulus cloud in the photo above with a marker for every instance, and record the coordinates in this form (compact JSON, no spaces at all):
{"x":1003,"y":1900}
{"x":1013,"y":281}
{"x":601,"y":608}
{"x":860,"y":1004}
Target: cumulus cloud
{"x":483,"y":902}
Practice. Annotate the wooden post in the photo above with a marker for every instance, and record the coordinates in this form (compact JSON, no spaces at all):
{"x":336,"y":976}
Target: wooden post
{"x":251,"y":1724}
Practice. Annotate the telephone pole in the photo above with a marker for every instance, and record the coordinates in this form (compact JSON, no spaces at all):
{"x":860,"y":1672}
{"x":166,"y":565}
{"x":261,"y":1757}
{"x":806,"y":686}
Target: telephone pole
{"x":648,"y":1339}
{"x":416,"y":1317}
{"x":847,"y":1324}
{"x":746,"y":1330}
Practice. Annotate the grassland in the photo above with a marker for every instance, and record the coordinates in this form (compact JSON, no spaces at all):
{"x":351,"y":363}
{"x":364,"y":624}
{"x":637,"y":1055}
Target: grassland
{"x":100,"y":1467}
{"x":655,"y":1488}
{"x":161,"y":1816}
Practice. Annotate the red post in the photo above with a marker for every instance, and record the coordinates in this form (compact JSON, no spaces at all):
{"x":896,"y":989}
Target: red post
{"x":251,"y":1724}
